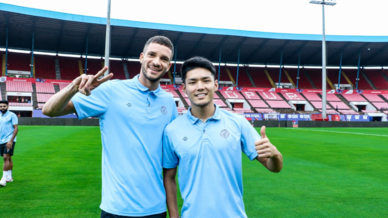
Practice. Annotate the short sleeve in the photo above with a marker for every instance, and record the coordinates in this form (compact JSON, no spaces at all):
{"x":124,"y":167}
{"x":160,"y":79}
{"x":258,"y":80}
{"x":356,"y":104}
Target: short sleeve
{"x":249,"y":136}
{"x":94,"y":105}
{"x":14,"y":120}
{"x":170,"y":159}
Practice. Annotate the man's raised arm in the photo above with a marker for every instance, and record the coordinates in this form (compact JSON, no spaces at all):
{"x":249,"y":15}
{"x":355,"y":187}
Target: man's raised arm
{"x":61,"y":104}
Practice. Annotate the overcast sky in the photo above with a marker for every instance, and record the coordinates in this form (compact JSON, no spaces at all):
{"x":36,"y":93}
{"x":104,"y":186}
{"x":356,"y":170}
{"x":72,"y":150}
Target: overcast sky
{"x":348,"y":17}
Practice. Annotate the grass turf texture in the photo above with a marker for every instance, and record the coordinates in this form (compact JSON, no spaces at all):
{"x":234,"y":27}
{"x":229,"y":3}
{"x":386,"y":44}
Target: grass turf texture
{"x":328,"y":172}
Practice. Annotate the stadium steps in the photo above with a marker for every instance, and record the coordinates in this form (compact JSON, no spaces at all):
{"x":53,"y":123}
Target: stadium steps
{"x":183,"y":100}
{"x":368,"y":80}
{"x":382,"y":97}
{"x":56,"y":88}
{"x":308,"y":101}
{"x":369,"y":101}
{"x":222,"y":98}
{"x":327,"y":103}
{"x":34,"y":98}
{"x":285,"y":110}
{"x":384,"y":75}
{"x":3,"y":91}
{"x":345,"y":101}
{"x":249,"y":76}
{"x":309,"y":79}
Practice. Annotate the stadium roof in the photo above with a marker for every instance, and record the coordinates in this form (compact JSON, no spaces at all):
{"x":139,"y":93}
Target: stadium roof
{"x":67,"y":33}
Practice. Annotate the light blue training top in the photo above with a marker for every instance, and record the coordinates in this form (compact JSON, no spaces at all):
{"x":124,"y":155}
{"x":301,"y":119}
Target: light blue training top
{"x":7,"y":121}
{"x":210,"y":162}
{"x":132,"y":120}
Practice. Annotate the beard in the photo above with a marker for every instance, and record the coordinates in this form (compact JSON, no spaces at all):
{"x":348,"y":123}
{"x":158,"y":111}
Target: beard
{"x":4,"y":111}
{"x":144,"y":71}
{"x":202,"y":104}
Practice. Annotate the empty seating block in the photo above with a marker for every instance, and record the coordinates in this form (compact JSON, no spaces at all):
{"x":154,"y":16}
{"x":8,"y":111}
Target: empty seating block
{"x":380,"y":106}
{"x":353,"y":97}
{"x":385,"y":96}
{"x":231,"y":94}
{"x":44,"y":87}
{"x":243,"y":110}
{"x":43,"y":97}
{"x":339,"y":105}
{"x":373,"y":98}
{"x":45,"y":66}
{"x":347,"y":112}
{"x":63,"y":85}
{"x":273,"y":96}
{"x":312,"y":96}
{"x":250,"y":95}
{"x":20,"y":104}
{"x":318,"y":104}
{"x":278,"y":104}
{"x":258,"y":104}
{"x":264,"y":111}
{"x":332,"y":112}
{"x":332,"y":97}
{"x":14,"y":86}
{"x":293,"y":96}
{"x":219,"y":102}
{"x":172,"y":92}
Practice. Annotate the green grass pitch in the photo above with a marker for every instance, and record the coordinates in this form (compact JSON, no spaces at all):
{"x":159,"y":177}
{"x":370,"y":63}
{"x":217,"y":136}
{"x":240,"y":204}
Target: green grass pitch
{"x":328,"y":172}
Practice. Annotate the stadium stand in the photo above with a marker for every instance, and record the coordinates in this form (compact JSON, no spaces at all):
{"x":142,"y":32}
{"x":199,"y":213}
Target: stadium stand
{"x":45,"y":66}
{"x":258,"y":103}
{"x":362,"y":84}
{"x":348,"y":112}
{"x":373,"y":98}
{"x":19,"y":61}
{"x":94,"y":65}
{"x":338,"y":104}
{"x":16,"y":86}
{"x":293,"y":96}
{"x":312,"y":96}
{"x":250,"y":95}
{"x":243,"y":79}
{"x":303,"y":83}
{"x":43,"y":98}
{"x":219,"y":102}
{"x":381,"y":106}
{"x":20,"y":104}
{"x":318,"y":105}
{"x":231,"y":94}
{"x":274,"y":73}
{"x":376,"y":77}
{"x":63,"y":85}
{"x":69,"y":68}
{"x":353,"y":97}
{"x":259,"y":77}
{"x":116,"y":67}
{"x":278,"y":104}
{"x":273,"y":96}
{"x":332,"y":97}
{"x":44,"y":87}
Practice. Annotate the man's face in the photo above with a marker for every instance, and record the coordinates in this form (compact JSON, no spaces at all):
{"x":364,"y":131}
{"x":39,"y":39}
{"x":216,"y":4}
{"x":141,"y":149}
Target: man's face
{"x":3,"y":108}
{"x":200,"y":87}
{"x":155,"y":61}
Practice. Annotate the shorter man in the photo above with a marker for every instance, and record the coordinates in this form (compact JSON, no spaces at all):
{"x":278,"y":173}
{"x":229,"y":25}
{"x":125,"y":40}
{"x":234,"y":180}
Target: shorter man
{"x":8,"y":132}
{"x":207,"y":143}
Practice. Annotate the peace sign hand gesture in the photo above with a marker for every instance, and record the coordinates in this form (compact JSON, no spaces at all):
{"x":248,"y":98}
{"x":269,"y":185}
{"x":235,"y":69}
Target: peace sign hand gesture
{"x":86,"y":83}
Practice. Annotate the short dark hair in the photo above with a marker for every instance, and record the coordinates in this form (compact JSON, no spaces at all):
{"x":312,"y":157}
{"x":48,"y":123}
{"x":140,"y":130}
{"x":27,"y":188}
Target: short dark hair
{"x":161,"y":40}
{"x":4,"y":102}
{"x":194,"y":63}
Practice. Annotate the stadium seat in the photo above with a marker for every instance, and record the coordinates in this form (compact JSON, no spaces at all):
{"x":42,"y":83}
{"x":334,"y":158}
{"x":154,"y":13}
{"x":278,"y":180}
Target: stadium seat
{"x":373,"y":98}
{"x":318,"y":105}
{"x":272,"y":96}
{"x":293,"y":96}
{"x":44,"y":87}
{"x":63,"y":85}
{"x":354,"y":97}
{"x":332,"y":97}
{"x":45,"y":66}
{"x":15,"y":86}
{"x":43,"y":98}
{"x":278,"y":104}
{"x":312,"y":96}
{"x":339,"y":105}
{"x":231,"y":94}
{"x":380,"y":106}
{"x":258,"y":103}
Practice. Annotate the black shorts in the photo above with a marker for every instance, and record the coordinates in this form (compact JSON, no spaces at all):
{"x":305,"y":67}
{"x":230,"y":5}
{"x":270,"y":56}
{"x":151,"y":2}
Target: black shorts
{"x":4,"y":150}
{"x":108,"y":215}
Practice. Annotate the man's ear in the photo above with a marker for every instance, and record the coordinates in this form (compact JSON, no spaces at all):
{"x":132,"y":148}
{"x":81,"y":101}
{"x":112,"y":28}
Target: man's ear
{"x":216,"y":84}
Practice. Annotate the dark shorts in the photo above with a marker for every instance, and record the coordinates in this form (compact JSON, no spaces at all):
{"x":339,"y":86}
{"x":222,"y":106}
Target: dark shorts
{"x":108,"y":215}
{"x":4,"y":150}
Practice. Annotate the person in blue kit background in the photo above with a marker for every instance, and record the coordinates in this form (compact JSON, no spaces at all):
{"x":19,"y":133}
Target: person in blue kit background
{"x":8,"y":131}
{"x":206,"y":143}
{"x":133,"y":114}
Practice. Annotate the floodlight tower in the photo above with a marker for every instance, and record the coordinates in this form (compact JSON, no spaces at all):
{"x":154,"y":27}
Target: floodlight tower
{"x":107,"y":40}
{"x":323,"y":3}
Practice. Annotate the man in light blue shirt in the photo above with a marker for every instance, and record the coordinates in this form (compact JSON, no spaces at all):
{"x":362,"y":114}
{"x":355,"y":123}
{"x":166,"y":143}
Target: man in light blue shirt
{"x":207,"y":143}
{"x":8,"y":131}
{"x":133,"y":114}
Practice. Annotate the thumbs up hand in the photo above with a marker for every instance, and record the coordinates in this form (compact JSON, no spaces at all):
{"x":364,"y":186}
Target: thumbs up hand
{"x":264,"y":147}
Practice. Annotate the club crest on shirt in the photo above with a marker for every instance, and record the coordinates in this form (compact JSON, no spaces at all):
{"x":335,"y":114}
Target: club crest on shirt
{"x":224,"y":133}
{"x":163,"y":109}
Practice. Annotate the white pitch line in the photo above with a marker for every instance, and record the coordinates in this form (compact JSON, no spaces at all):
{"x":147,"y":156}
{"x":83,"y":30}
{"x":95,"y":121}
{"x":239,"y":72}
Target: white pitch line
{"x":355,"y":133}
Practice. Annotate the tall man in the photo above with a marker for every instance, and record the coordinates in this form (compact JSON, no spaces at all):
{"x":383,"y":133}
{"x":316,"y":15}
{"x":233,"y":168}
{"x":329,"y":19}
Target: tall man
{"x":207,"y":143}
{"x":8,"y":132}
{"x":133,"y":114}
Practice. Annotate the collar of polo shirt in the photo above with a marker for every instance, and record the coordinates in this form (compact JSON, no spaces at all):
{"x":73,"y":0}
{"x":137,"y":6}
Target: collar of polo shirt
{"x":143,"y":88}
{"x":6,"y":113}
{"x":216,"y":115}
